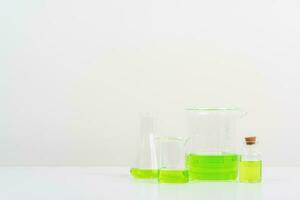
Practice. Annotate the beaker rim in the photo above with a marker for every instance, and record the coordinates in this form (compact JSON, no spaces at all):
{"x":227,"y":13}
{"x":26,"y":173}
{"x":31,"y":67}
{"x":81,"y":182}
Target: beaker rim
{"x":169,"y":138}
{"x":213,"y":109}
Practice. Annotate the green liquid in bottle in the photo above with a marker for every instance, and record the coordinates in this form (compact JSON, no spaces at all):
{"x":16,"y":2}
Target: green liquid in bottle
{"x":250,"y":171}
{"x":223,"y":167}
{"x":173,"y":176}
{"x":144,"y":173}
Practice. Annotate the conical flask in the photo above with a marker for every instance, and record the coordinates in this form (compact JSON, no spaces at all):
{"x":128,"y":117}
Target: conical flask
{"x":145,"y":166}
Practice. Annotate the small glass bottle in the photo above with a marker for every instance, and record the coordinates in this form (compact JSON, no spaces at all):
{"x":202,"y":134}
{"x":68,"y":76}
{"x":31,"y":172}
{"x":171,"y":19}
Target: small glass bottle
{"x":250,"y":164}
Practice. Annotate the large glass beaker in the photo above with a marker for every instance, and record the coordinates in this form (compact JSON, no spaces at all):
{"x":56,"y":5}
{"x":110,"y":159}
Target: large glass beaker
{"x":211,"y":153}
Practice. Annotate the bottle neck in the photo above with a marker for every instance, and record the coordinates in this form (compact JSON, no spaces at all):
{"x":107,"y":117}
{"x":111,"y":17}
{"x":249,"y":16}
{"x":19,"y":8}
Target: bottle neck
{"x":251,"y":152}
{"x":251,"y":148}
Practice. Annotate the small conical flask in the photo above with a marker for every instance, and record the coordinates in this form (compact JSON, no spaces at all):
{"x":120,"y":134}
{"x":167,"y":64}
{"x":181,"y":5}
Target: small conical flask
{"x":146,"y":162}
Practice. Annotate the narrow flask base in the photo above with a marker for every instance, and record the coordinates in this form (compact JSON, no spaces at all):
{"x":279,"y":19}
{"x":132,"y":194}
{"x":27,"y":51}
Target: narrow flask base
{"x":144,"y":173}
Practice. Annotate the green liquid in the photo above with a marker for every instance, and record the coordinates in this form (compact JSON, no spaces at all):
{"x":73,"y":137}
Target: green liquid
{"x":144,"y":173}
{"x":250,"y":171}
{"x":173,"y":176}
{"x":223,"y":167}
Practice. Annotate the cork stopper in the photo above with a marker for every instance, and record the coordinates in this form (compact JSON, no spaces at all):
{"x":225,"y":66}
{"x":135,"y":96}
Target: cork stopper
{"x":250,"y":140}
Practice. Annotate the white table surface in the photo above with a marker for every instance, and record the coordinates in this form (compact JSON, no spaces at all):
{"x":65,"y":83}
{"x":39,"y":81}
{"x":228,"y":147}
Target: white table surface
{"x":72,"y":183}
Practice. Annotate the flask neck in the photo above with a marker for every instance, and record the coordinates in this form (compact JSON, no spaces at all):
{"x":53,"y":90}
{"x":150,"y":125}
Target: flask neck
{"x":147,"y":125}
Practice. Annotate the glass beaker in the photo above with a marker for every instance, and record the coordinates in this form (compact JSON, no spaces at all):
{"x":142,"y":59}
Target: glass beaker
{"x":146,"y":161}
{"x":171,"y":160}
{"x":211,"y":149}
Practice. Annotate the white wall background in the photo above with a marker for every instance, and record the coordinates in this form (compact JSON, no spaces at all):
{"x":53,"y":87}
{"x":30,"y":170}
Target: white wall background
{"x":74,"y":74}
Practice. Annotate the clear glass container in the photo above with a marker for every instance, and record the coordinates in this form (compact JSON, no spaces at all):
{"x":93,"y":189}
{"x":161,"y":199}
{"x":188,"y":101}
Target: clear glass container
{"x":250,"y":163}
{"x":145,"y":166}
{"x":211,"y":152}
{"x":171,"y":160}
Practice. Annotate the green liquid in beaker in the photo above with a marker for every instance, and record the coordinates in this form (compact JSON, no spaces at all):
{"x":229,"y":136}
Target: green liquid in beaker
{"x":144,"y":173}
{"x":223,"y":167}
{"x":250,"y":171}
{"x":173,"y":176}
